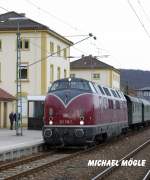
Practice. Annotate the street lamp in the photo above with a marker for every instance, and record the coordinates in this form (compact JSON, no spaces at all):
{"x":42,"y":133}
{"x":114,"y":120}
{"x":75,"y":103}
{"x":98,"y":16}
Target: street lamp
{"x":18,"y":79}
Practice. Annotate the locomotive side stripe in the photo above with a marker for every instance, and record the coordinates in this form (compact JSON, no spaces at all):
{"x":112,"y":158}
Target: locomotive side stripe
{"x":66,"y":105}
{"x":93,"y":125}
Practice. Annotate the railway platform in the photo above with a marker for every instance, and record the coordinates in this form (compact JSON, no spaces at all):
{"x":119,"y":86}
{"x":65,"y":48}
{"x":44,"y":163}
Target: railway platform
{"x":12,"y":146}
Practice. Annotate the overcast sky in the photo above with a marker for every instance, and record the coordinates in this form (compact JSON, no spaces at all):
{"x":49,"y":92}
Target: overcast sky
{"x":118,"y":30}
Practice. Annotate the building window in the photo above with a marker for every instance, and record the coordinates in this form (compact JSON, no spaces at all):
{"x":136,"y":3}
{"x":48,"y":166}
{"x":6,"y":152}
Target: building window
{"x":0,"y":45}
{"x":65,"y":73}
{"x":24,"y":44}
{"x":58,"y":73}
{"x":51,"y":47}
{"x":96,"y":76}
{"x":51,"y":73}
{"x":23,"y":73}
{"x":65,"y":53}
{"x":58,"y":51}
{"x":72,"y":75}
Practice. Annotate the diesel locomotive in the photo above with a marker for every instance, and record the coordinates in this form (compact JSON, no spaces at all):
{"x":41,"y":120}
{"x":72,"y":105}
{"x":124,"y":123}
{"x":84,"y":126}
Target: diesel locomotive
{"x":79,"y":112}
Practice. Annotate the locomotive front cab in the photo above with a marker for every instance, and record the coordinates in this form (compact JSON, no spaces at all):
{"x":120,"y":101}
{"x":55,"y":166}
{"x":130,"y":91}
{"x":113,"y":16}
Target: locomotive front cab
{"x":68,"y":112}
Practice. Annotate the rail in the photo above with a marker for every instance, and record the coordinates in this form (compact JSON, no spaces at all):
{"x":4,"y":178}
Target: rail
{"x":110,"y":169}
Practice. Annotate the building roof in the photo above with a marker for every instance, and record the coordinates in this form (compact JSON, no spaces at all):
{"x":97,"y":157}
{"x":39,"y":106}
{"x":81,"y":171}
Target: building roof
{"x":90,"y":62}
{"x":5,"y":96}
{"x":144,"y":89}
{"x":25,"y":24}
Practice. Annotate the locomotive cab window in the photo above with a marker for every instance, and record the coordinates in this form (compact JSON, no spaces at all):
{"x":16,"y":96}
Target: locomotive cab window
{"x":70,"y":83}
{"x":79,"y":85}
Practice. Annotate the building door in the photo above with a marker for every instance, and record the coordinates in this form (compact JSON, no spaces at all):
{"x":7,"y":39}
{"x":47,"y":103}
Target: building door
{"x":5,"y":114}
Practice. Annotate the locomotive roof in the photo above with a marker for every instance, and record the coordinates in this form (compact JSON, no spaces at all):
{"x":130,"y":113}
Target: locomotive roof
{"x":74,"y":78}
{"x":134,"y":99}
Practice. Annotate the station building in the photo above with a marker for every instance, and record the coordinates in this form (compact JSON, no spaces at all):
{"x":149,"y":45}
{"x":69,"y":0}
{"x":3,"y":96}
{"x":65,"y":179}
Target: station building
{"x":38,"y":42}
{"x":144,"y":93}
{"x":7,"y":104}
{"x":92,"y":69}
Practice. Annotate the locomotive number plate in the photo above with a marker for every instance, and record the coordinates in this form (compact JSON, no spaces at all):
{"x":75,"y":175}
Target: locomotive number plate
{"x":65,"y":121}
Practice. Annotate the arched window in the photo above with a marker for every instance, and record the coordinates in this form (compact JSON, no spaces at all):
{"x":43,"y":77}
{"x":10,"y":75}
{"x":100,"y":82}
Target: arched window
{"x":65,"y":73}
{"x":58,"y":73}
{"x":51,"y":73}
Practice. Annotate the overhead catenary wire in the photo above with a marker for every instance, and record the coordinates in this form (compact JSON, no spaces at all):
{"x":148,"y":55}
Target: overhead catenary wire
{"x":78,"y":35}
{"x":142,"y":24}
{"x":145,"y":13}
{"x":52,"y":15}
{"x":45,"y":58}
{"x":57,"y":18}
{"x":4,"y":8}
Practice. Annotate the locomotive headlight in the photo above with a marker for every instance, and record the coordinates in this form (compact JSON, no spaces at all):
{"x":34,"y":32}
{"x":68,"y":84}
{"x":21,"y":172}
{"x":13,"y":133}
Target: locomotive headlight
{"x":50,"y":122}
{"x":81,"y":122}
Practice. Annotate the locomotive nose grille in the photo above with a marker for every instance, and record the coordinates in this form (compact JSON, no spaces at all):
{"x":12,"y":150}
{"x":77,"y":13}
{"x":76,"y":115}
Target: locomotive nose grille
{"x":79,"y":133}
{"x":48,"y":133}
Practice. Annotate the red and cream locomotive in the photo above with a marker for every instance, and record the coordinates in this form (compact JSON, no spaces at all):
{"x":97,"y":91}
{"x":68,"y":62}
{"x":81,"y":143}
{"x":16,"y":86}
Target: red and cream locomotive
{"x":79,"y":112}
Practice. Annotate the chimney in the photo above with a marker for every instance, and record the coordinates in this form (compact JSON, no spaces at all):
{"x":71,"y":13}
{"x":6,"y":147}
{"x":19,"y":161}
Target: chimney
{"x":82,"y":56}
{"x":22,"y":14}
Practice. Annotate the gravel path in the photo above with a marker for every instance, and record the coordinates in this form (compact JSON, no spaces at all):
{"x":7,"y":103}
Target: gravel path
{"x":77,"y":168}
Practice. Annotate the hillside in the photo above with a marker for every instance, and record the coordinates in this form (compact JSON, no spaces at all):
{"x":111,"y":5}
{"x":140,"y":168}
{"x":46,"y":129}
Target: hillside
{"x":135,"y":78}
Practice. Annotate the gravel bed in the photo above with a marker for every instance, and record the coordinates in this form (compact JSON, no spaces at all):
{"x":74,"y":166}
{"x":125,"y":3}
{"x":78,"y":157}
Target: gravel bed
{"x":133,"y":173}
{"x":77,"y":168}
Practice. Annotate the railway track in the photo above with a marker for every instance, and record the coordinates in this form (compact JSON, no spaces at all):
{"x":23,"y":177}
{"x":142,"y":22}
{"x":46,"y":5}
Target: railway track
{"x":147,"y":176}
{"x":31,"y":165}
{"x":108,"y":171}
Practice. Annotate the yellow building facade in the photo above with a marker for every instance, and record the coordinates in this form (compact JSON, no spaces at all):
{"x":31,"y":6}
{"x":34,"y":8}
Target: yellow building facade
{"x":43,"y":57}
{"x":90,"y":68}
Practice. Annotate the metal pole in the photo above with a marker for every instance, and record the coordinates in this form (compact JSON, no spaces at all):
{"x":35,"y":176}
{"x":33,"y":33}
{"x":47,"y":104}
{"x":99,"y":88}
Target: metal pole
{"x":18,"y":86}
